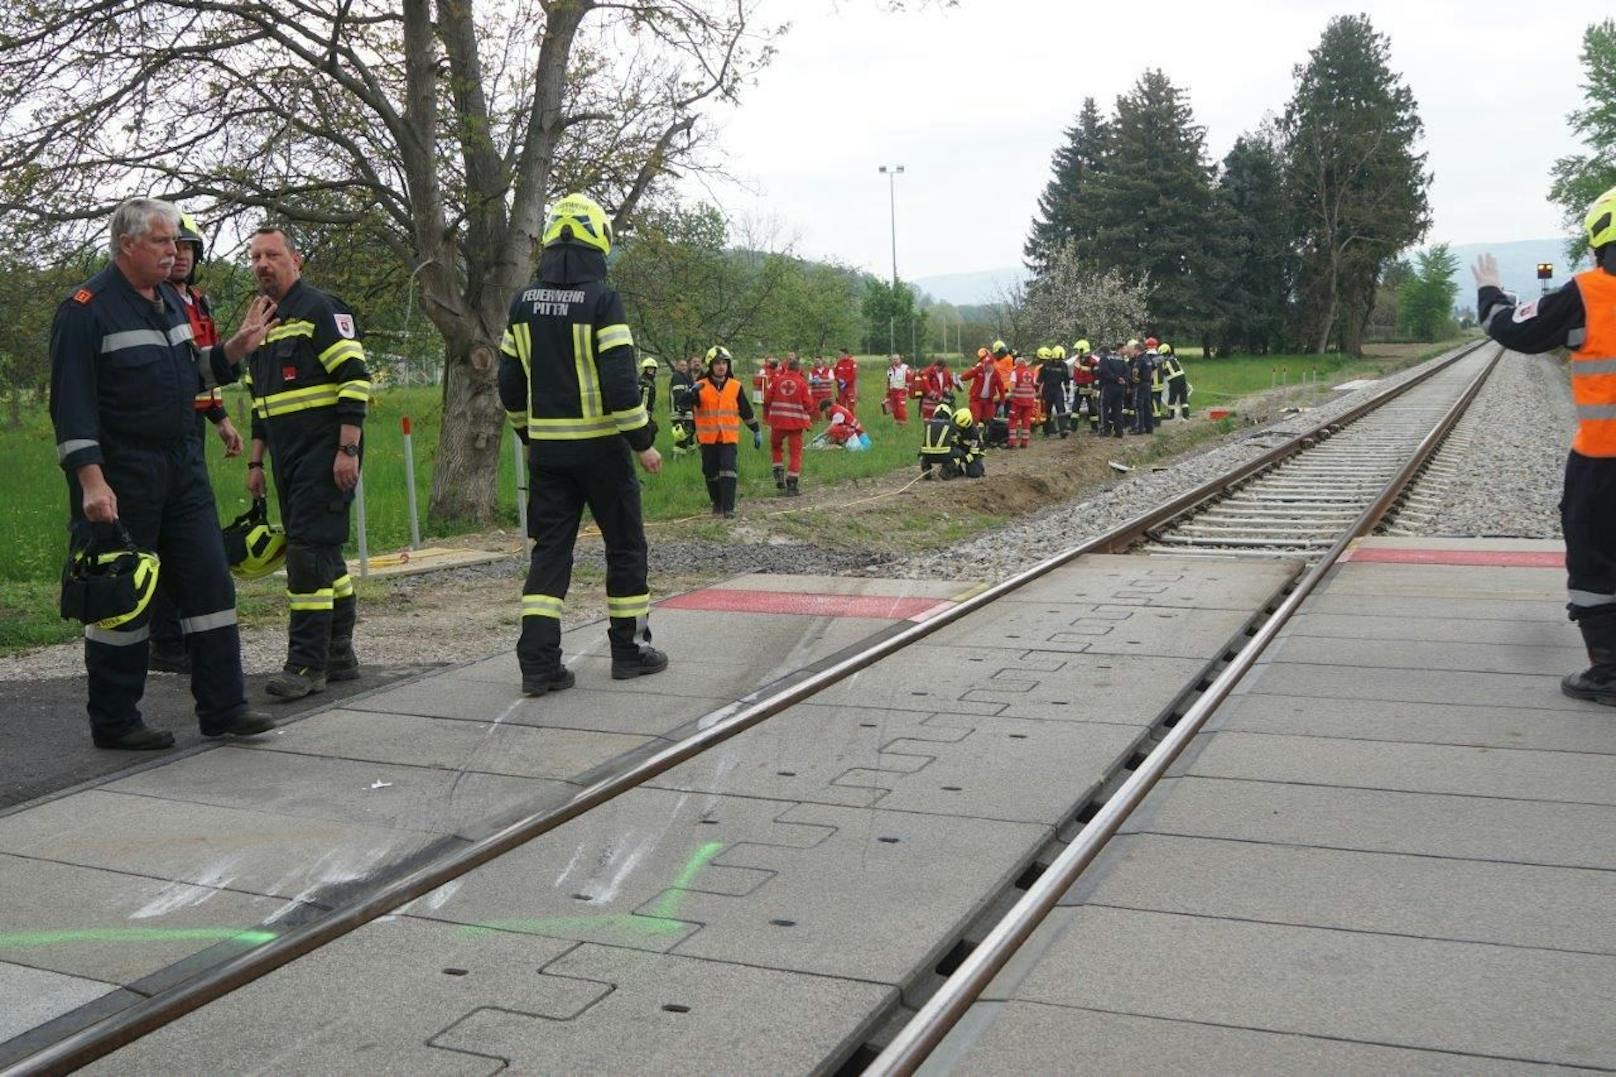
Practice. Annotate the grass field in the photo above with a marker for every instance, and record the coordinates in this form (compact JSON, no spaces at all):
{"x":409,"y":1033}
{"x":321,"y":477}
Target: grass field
{"x":33,"y":534}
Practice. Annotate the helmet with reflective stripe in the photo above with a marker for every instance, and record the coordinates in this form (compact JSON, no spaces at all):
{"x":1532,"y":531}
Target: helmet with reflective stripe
{"x":1601,"y":220}
{"x":1046,"y":353}
{"x":962,"y":418}
{"x":1058,"y":352}
{"x":106,"y":588}
{"x":717,"y":352}
{"x":648,"y":363}
{"x":190,"y":233}
{"x":1000,"y":347}
{"x":253,"y":547}
{"x":578,"y":218}
{"x":1165,"y":348}
{"x":1081,"y":347}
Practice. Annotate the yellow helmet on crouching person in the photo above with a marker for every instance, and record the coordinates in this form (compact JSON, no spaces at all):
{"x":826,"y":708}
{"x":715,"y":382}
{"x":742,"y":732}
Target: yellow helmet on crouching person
{"x":578,"y":218}
{"x":252,"y":545}
{"x":963,"y":418}
{"x":1600,"y":223}
{"x":106,"y":588}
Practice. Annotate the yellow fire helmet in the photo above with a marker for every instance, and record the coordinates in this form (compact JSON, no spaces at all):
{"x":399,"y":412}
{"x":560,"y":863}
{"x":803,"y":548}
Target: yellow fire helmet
{"x":1046,"y":352}
{"x":1601,"y":220}
{"x":253,"y":547}
{"x":1058,"y":352}
{"x":1082,"y":348}
{"x":718,"y":351}
{"x":106,"y":587}
{"x":578,"y":218}
{"x":962,"y":418}
{"x":1164,"y":348}
{"x":648,"y":362}
{"x":1000,"y":347}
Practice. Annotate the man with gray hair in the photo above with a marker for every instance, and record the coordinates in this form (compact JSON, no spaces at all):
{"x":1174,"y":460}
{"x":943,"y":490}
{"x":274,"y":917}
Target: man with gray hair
{"x":124,"y":373}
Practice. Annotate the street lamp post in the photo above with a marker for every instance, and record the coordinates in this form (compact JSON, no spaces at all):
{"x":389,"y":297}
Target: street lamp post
{"x":892,"y":172}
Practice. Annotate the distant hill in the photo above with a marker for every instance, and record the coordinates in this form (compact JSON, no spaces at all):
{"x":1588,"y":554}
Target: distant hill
{"x":1517,"y":266}
{"x":983,"y":286}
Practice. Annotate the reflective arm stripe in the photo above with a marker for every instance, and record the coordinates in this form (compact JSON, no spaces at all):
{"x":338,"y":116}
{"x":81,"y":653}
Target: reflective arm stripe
{"x":67,"y":448}
{"x":354,"y":390}
{"x":1584,"y":367}
{"x":290,"y":329}
{"x":518,"y":419}
{"x":583,"y":361}
{"x":628,"y":605}
{"x":632,"y":419}
{"x":339,"y":353}
{"x":612,"y":336}
{"x":134,"y":338}
{"x":543,"y":606}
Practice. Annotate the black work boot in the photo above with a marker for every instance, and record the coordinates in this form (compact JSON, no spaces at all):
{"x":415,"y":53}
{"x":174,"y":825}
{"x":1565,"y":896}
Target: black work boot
{"x":139,"y":738}
{"x":715,"y":496}
{"x":538,"y":684}
{"x":643,"y":663}
{"x":779,"y":477}
{"x":295,"y":684}
{"x":1597,"y":683}
{"x":248,"y":723}
{"x":791,"y":486}
{"x":344,"y":664}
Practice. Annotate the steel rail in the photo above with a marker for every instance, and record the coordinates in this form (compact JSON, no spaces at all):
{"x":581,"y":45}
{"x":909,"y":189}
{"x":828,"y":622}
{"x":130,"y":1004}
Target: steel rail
{"x":926,"y":1029}
{"x":127,"y":1025}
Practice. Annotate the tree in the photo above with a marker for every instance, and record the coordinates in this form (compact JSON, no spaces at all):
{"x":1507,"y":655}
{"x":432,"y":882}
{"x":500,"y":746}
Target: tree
{"x":1425,"y":298}
{"x":1581,"y":178}
{"x":1065,"y":209}
{"x":1153,"y":205}
{"x":892,"y":321}
{"x":1072,"y":300}
{"x":1358,"y":188}
{"x":816,"y":308}
{"x":437,"y":130}
{"x":1255,"y":218}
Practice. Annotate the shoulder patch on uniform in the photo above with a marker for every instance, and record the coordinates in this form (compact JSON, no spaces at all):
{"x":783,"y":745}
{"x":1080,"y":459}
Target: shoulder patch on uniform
{"x":345,"y":325}
{"x":83,"y":295}
{"x":1525,"y":312}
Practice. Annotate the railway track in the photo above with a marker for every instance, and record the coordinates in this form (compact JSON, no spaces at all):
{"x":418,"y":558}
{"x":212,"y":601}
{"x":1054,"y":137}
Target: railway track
{"x":1301,"y":500}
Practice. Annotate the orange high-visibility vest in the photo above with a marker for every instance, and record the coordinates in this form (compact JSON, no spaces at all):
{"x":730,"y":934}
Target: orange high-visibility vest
{"x":1593,"y":367}
{"x":718,"y":412}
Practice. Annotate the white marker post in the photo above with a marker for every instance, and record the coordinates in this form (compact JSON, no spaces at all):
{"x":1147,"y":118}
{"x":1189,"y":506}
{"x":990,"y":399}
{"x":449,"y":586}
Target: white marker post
{"x":409,"y":484}
{"x":364,"y":546}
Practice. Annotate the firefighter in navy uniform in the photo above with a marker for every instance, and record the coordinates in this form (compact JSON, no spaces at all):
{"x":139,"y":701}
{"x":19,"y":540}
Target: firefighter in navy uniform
{"x":567,"y":363}
{"x":124,"y":373}
{"x":1112,"y":374}
{"x":309,"y":391}
{"x":1178,"y":384}
{"x":648,"y":373}
{"x":167,"y":653}
{"x":1580,"y":316}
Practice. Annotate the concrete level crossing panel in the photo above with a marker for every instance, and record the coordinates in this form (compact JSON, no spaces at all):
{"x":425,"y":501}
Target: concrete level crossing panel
{"x":868,"y":894}
{"x":1165,"y":582}
{"x":441,"y":999}
{"x":940,"y":764}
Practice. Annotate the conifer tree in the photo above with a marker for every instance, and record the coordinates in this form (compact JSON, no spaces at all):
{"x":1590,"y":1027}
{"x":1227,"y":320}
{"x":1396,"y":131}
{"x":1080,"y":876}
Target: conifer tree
{"x":1065,"y":209}
{"x":1257,"y":245}
{"x":1153,"y":209}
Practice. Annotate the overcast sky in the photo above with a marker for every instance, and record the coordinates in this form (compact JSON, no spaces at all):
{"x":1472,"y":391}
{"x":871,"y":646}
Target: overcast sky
{"x":973,"y":102}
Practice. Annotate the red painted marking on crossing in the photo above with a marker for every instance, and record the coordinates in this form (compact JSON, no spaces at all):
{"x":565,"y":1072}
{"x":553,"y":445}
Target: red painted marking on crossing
{"x":738,"y":600}
{"x":1480,"y":558}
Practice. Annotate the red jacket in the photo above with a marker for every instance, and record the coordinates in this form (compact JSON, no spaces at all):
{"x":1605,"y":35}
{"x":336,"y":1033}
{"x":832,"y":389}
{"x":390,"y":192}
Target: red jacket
{"x":821,"y":382}
{"x":847,"y":372}
{"x":987,"y":385}
{"x":843,"y":417}
{"x":1024,"y":386}
{"x":935,"y":381}
{"x":787,"y":400}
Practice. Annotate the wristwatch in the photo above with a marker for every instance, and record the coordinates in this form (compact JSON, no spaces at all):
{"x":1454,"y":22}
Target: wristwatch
{"x":348,"y":450}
